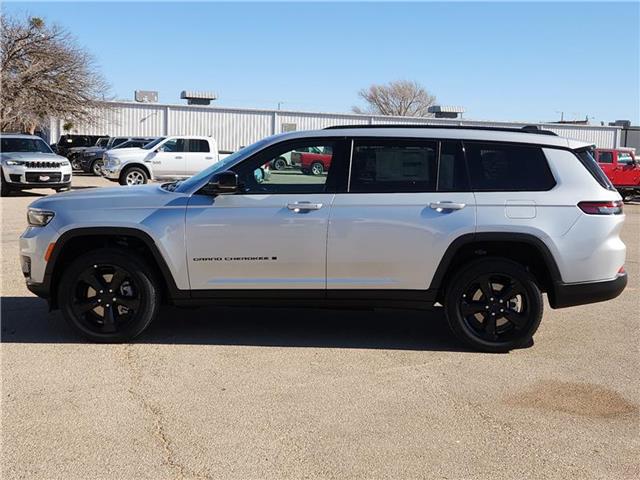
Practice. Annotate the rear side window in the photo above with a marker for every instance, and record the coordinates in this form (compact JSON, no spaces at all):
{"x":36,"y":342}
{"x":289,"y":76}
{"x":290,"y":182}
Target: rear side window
{"x":503,"y":167}
{"x":380,"y":166}
{"x":587,"y":160}
{"x":196,"y":145}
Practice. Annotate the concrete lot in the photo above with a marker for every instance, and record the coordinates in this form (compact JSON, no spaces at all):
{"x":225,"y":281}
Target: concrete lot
{"x":251,"y":394}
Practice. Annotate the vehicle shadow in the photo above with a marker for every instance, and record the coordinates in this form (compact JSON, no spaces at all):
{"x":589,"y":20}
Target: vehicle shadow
{"x":27,"y":320}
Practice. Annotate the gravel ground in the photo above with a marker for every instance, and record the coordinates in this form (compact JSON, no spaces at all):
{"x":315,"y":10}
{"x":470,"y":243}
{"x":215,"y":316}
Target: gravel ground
{"x":268,"y":393}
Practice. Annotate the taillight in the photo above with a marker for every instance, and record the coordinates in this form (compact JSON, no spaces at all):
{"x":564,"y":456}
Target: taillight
{"x":601,"y":208}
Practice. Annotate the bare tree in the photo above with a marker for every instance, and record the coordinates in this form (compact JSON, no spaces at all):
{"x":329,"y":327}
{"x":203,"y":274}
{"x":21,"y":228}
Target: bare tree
{"x":401,"y":98}
{"x":44,"y":73}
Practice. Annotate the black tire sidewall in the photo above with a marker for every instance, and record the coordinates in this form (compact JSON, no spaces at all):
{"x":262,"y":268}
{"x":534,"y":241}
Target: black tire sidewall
{"x":93,"y":167}
{"x":143,"y":278}
{"x":280,"y":164}
{"x":463,"y":277}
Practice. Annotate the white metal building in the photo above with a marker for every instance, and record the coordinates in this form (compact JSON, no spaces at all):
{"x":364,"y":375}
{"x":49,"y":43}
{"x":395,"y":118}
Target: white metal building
{"x":236,"y":127}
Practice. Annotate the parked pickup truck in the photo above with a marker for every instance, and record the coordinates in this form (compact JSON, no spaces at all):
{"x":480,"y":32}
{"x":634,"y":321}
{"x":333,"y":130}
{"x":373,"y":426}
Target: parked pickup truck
{"x":312,"y":163}
{"x":172,"y":157}
{"x":622,"y":168}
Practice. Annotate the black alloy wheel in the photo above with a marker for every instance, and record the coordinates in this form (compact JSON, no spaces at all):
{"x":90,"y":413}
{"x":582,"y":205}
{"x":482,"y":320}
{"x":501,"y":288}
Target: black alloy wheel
{"x":494,"y":305}
{"x":108,"y":296}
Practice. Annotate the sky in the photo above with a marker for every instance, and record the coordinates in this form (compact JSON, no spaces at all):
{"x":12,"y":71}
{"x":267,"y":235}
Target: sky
{"x":500,"y":61}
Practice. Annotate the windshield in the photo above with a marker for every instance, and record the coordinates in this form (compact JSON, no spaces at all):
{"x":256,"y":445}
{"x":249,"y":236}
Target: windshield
{"x":220,"y":166}
{"x":150,"y":145}
{"x":24,"y":145}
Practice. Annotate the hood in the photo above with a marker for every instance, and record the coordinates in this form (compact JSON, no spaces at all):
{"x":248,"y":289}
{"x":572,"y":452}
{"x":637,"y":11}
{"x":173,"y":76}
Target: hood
{"x":138,"y":196}
{"x":128,"y":152}
{"x":32,"y":156}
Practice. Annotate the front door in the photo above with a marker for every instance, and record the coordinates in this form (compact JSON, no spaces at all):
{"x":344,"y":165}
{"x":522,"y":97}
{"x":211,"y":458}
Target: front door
{"x":169,"y":159}
{"x":270,"y":235}
{"x":407,"y":201}
{"x":627,"y":171}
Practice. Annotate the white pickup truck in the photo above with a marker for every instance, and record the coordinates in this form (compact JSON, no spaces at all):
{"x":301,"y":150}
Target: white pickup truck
{"x":171,"y":157}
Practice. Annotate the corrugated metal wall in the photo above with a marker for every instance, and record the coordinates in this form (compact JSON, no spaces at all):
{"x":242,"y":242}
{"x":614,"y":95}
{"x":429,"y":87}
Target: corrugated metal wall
{"x":233,"y":127}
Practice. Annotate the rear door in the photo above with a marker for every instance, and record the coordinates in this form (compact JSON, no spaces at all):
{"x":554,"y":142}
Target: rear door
{"x":407,"y":200}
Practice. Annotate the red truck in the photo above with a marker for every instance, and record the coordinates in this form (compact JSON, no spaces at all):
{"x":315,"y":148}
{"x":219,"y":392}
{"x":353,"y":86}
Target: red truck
{"x":622,"y":168}
{"x":315,"y":163}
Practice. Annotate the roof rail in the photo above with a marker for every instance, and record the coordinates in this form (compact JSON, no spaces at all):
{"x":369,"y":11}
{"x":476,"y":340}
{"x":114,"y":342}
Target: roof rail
{"x":526,"y":129}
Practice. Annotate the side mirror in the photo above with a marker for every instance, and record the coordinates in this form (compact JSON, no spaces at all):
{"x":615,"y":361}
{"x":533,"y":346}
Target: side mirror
{"x":223,"y":183}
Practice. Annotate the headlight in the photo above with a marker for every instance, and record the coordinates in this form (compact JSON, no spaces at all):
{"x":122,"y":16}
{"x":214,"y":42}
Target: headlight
{"x":113,"y":161}
{"x":14,"y":162}
{"x":65,"y":163}
{"x":39,"y":218}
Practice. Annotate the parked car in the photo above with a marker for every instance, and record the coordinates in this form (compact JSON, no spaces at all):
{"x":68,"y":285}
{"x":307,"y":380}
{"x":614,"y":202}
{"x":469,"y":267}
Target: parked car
{"x":28,"y":162}
{"x":75,"y":154}
{"x":622,"y":168}
{"x":480,"y":221}
{"x":315,"y":163}
{"x":165,"y":158}
{"x":291,"y":159}
{"x":91,"y":161}
{"x":69,"y":141}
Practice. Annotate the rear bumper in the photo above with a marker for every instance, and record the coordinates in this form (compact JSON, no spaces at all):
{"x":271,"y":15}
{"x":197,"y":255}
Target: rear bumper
{"x":571,"y":294}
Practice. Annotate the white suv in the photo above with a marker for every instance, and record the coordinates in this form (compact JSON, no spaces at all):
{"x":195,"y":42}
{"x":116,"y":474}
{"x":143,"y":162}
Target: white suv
{"x":28,"y":162}
{"x":164,"y":158}
{"x":479,"y":221}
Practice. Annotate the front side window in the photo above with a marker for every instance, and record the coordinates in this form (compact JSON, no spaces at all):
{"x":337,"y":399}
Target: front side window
{"x":393,"y":166}
{"x":24,"y":145}
{"x":504,"y":167}
{"x":605,"y":157}
{"x":309,"y":175}
{"x":174,"y":145}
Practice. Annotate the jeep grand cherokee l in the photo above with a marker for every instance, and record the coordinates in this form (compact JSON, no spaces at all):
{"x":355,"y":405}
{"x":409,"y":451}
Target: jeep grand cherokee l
{"x":479,"y":221}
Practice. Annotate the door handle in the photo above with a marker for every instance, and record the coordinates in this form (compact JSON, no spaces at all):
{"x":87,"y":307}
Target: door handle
{"x":208,"y":158}
{"x":443,"y":206}
{"x":178,"y":158}
{"x":303,"y":206}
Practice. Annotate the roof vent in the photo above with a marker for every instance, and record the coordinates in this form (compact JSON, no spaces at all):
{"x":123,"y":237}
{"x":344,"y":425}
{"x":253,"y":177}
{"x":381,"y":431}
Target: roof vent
{"x":198,"y":98}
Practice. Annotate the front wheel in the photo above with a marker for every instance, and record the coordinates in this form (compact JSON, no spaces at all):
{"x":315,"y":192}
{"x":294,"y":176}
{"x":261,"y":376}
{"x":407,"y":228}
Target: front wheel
{"x":133,"y":176}
{"x":96,"y":167}
{"x":108,"y":295}
{"x":493,"y":305}
{"x":280,"y":163}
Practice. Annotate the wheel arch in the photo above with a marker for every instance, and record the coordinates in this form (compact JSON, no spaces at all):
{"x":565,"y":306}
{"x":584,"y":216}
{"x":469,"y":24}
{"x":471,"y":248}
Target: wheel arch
{"x":78,"y":241}
{"x":523,"y":248}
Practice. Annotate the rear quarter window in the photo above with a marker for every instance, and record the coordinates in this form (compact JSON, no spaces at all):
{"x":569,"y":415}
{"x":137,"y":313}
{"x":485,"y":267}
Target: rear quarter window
{"x":505,"y":167}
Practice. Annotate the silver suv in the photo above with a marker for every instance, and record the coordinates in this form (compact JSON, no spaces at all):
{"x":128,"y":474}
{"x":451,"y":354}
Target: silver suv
{"x":477,"y":221}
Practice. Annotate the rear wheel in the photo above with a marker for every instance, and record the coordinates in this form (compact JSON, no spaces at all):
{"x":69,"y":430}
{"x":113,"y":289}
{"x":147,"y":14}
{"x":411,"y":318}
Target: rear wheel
{"x":280,"y":163}
{"x":133,"y":176}
{"x":494,"y":305}
{"x":317,"y":168}
{"x":108,"y":295}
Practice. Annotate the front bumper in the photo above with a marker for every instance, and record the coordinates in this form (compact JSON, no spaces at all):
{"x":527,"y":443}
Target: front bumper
{"x":111,"y":172}
{"x":571,"y":294}
{"x":26,"y":178}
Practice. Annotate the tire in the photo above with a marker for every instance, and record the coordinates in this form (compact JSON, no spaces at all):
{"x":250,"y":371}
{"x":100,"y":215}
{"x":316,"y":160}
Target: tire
{"x":280,"y":163}
{"x":133,"y":176}
{"x":484,"y":317}
{"x":96,"y":167}
{"x":117,"y":274}
{"x":317,"y":168}
{"x":5,"y":190}
{"x":75,"y":164}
